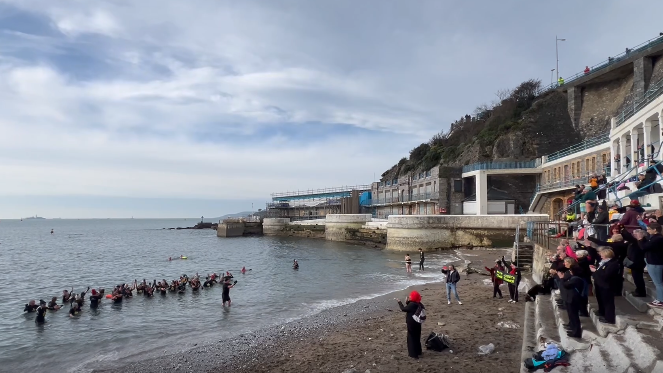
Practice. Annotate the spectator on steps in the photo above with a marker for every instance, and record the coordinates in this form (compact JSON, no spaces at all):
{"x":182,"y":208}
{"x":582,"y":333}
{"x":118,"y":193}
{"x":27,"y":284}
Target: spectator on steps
{"x":587,"y":70}
{"x":601,"y":221}
{"x":587,"y":201}
{"x":653,"y":250}
{"x":594,"y":182}
{"x":630,"y":218}
{"x":606,"y":275}
{"x":573,"y":288}
{"x":636,"y":263}
{"x":586,"y":275}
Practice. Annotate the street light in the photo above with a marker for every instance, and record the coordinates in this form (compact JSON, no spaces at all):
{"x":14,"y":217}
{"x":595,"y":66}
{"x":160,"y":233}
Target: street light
{"x":551,"y":76}
{"x":557,"y":54}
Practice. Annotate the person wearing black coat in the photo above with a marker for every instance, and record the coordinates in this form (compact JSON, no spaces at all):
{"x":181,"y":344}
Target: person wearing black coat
{"x":653,"y":251}
{"x":573,"y":286}
{"x":637,"y":257}
{"x":601,"y":218}
{"x":606,"y":276}
{"x":412,"y":304}
{"x":620,"y":248}
{"x":585,"y":274}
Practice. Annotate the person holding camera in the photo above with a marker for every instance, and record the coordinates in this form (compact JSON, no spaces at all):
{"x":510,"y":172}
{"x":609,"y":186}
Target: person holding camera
{"x":225,"y":295}
{"x":452,"y":279}
{"x":635,"y":261}
{"x":414,"y":310}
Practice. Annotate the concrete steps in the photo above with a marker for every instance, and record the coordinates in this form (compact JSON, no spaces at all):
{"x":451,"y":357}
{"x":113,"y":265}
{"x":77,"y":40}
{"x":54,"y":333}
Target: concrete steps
{"x":628,"y":347}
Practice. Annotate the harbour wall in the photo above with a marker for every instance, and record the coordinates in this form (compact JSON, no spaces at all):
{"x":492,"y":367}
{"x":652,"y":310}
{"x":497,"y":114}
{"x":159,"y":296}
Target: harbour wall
{"x":402,"y":232}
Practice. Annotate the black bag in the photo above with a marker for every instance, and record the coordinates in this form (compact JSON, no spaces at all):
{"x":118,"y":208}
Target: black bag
{"x":436,"y":342}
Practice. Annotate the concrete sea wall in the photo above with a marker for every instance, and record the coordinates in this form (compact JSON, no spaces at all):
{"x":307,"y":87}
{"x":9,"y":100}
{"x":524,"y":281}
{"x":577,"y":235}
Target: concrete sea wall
{"x":433,"y":232}
{"x":337,"y":226}
{"x":274,"y":226}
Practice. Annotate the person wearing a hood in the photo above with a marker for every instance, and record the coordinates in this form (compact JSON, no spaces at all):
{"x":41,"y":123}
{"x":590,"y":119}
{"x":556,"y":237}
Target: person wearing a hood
{"x":496,"y":281}
{"x":606,"y":276}
{"x":630,"y":217}
{"x":411,"y":307}
{"x":653,"y":250}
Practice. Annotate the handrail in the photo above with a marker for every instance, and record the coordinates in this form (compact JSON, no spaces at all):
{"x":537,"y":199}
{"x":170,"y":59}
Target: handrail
{"x":584,"y":145}
{"x":403,"y":198}
{"x":322,"y":191}
{"x":501,"y":165}
{"x":652,"y":93}
{"x":604,"y":64}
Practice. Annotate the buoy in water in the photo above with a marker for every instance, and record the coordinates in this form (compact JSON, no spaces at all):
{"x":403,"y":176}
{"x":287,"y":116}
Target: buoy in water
{"x":108,"y":296}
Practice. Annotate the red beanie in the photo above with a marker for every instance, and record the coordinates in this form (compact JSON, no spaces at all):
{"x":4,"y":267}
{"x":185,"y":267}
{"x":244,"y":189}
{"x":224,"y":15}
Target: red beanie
{"x":94,"y":292}
{"x":415,"y":296}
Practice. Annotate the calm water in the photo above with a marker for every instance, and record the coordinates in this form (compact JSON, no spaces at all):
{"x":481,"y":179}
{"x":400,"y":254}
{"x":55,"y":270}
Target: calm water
{"x":102,"y":253}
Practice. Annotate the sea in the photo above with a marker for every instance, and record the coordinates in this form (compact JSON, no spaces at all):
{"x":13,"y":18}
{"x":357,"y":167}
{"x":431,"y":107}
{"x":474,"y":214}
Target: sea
{"x":101,"y":253}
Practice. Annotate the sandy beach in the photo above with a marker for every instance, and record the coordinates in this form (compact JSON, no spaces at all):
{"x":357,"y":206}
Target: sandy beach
{"x":371,"y":335}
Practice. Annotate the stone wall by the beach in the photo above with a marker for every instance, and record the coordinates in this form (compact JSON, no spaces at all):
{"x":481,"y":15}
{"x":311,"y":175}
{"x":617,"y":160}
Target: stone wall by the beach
{"x":308,"y":231}
{"x":434,"y":232}
{"x":540,"y":262}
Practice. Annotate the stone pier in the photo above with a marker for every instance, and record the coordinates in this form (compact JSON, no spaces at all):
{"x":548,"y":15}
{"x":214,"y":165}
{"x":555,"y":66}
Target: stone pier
{"x":274,"y":226}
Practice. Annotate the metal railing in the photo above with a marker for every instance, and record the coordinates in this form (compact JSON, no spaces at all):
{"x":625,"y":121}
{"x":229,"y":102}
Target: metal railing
{"x":604,"y":64}
{"x":652,"y":93}
{"x":584,"y":145}
{"x":501,"y":165}
{"x":404,"y":198}
{"x":340,"y":189}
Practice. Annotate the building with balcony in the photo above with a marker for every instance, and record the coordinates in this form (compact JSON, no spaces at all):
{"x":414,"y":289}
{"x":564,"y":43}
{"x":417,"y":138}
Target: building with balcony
{"x":317,"y":203}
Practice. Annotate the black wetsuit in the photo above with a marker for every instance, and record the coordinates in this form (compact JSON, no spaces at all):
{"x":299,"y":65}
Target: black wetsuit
{"x":94,"y":300}
{"x":225,"y":296}
{"x":74,"y":311}
{"x":41,"y":314}
{"x":30,"y":308}
{"x":421,"y":261}
{"x":51,"y":305}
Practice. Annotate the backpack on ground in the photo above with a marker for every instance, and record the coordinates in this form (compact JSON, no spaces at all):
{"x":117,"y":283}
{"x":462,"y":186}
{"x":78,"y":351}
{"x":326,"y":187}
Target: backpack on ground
{"x":420,"y":315}
{"x":437,"y":342}
{"x":537,"y":361}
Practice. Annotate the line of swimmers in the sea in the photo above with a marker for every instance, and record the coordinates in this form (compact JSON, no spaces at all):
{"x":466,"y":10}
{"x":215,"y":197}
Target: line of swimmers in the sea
{"x":122,"y":291}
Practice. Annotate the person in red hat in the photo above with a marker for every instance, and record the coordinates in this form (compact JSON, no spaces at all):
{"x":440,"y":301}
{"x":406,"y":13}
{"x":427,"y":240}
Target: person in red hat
{"x":415,"y":316}
{"x":95,"y":298}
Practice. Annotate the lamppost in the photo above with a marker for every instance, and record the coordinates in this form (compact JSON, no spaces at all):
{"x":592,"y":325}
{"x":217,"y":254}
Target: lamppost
{"x":551,"y":76}
{"x":557,"y":54}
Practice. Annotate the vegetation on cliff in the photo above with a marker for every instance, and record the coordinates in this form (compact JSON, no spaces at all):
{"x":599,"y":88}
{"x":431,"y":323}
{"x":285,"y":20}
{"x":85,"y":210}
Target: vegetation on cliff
{"x":479,"y":131}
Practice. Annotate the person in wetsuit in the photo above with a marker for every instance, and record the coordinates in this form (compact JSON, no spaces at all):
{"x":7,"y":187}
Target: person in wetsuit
{"x":66,"y":296}
{"x":225,"y":296}
{"x":95,"y":298}
{"x":412,"y":303}
{"x":41,"y":312}
{"x":421,"y":260}
{"x":75,"y":310}
{"x":30,"y":307}
{"x":53,"y":304}
{"x":295,"y":264}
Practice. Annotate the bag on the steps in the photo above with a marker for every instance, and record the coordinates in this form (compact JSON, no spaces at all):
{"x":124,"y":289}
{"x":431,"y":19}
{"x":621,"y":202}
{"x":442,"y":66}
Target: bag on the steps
{"x":537,"y":361}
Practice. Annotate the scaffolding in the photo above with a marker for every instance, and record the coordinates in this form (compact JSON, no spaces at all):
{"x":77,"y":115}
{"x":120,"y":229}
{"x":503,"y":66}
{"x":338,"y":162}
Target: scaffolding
{"x":312,"y":203}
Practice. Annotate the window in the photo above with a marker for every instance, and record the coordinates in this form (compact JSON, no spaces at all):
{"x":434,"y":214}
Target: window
{"x":604,"y":158}
{"x":388,"y":183}
{"x":414,"y":177}
{"x":421,"y":175}
{"x":458,"y":185}
{"x":428,"y":173}
{"x":395,"y":182}
{"x":573,"y":170}
{"x":587,"y":165}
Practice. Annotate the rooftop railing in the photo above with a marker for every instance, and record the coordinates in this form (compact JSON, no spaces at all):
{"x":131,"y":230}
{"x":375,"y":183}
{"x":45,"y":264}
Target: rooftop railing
{"x":652,"y":93}
{"x":322,"y":191}
{"x":403,"y":198}
{"x":586,"y":144}
{"x":501,"y":165}
{"x":604,"y":64}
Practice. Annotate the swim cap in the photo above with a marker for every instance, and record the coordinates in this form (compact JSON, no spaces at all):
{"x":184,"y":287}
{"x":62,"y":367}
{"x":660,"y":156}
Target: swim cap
{"x":415,"y":296}
{"x":94,"y":292}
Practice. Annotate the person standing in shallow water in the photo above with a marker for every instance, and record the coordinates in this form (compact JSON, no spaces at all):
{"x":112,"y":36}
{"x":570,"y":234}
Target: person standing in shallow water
{"x":408,"y":263}
{"x":421,"y":260}
{"x":412,"y":303}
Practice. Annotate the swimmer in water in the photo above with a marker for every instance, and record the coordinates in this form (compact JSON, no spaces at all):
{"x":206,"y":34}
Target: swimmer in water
{"x":225,"y":295}
{"x":75,"y":310}
{"x":95,"y":298}
{"x":408,"y":263}
{"x":31,"y":307}
{"x":295,"y":264}
{"x":195,"y":284}
{"x":41,"y":312}
{"x":243,"y":270}
{"x":66,"y":296}
{"x":81,"y":298}
{"x":53,"y":304}
{"x":51,"y":231}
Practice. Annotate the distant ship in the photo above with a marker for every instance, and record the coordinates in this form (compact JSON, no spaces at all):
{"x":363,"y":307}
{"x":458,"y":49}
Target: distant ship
{"x":35,"y":217}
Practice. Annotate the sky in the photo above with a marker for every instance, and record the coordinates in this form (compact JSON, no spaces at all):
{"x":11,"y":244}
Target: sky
{"x":165,"y":108}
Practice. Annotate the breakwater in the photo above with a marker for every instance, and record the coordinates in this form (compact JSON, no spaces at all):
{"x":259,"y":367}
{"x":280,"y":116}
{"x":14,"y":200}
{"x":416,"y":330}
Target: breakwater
{"x":406,"y":233}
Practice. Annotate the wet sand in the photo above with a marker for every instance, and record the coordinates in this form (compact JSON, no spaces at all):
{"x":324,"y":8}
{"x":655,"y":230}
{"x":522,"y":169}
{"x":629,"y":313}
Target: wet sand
{"x":370,"y":335}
